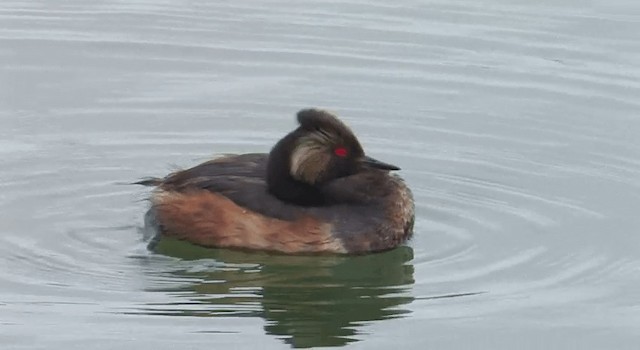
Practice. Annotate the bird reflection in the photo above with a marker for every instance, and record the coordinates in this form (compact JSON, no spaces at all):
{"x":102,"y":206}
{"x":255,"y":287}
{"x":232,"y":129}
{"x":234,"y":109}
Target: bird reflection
{"x":307,"y":301}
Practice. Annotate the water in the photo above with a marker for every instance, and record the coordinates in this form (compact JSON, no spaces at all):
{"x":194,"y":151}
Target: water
{"x":515,"y":122}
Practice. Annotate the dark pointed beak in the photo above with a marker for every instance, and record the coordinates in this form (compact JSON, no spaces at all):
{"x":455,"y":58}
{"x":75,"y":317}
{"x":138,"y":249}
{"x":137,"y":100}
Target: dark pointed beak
{"x":374,"y":163}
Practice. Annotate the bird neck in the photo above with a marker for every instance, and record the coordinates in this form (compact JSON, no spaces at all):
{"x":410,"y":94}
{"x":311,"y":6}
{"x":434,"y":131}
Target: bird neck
{"x":280,"y":182}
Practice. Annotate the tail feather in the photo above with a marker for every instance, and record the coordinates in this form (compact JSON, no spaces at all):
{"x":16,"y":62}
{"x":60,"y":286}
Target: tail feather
{"x":149,"y":181}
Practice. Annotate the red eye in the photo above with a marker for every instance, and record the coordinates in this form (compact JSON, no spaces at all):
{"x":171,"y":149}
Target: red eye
{"x":340,"y":152}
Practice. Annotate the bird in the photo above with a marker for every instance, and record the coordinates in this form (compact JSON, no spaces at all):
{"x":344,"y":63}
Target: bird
{"x":315,"y":192}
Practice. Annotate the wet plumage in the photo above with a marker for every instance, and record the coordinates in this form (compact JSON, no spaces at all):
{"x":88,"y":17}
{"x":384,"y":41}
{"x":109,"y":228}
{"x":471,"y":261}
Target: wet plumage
{"x":315,"y":192}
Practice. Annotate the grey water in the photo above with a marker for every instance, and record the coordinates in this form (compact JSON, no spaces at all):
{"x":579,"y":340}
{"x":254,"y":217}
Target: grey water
{"x":516,"y":124}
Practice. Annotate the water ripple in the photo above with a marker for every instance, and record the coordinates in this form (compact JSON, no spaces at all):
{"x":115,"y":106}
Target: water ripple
{"x":515,"y":125}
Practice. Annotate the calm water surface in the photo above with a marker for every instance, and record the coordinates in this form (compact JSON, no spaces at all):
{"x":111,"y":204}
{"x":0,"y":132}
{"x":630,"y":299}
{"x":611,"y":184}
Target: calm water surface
{"x":516,"y":124}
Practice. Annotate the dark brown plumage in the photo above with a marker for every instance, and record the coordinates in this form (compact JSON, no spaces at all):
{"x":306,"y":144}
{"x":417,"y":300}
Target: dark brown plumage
{"x":315,"y":192}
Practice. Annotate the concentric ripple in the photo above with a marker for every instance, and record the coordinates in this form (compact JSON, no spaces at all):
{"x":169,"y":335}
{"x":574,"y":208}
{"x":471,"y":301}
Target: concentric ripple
{"x":516,"y":125}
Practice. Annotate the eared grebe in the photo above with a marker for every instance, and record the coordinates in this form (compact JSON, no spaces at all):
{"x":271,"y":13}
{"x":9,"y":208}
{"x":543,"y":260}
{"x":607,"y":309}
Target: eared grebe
{"x":315,"y":192}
